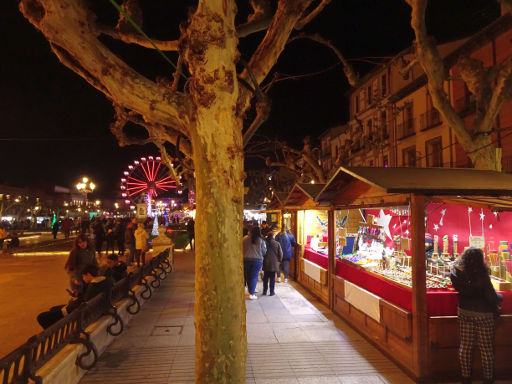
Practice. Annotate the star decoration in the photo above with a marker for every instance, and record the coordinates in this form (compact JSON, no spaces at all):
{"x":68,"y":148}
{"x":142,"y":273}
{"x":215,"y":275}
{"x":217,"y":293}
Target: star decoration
{"x":495,"y":213}
{"x":383,"y":220}
{"x":482,"y":215}
{"x":436,"y":227}
{"x":406,"y":232}
{"x":470,"y":209}
{"x":490,"y":226}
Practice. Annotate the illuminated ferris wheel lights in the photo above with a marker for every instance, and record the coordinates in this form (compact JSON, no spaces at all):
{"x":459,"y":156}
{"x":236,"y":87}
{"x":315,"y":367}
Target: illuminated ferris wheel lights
{"x":123,"y":180}
{"x":150,"y":157}
{"x":158,"y":158}
{"x":127,"y":201}
{"x":123,"y":194}
{"x":142,"y":159}
{"x":126,"y":173}
{"x":130,"y":167}
{"x":136,"y":162}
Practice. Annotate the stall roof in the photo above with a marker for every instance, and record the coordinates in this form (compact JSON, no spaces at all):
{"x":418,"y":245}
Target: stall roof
{"x":300,"y":193}
{"x":456,"y":182}
{"x":277,"y":201}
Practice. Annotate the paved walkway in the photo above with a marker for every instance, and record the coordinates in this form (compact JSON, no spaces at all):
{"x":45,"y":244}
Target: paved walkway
{"x":290,"y":340}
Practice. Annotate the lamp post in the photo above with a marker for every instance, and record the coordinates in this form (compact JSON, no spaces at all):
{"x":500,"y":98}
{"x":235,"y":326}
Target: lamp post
{"x":85,"y":186}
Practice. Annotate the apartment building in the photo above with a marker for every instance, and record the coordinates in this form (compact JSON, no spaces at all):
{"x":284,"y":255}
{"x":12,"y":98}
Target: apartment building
{"x":393,"y":122}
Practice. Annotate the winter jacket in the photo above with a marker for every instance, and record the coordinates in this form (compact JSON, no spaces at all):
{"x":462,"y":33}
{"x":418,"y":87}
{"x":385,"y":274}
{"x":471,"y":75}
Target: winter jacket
{"x":141,"y":238}
{"x":475,"y":293}
{"x":254,"y":251}
{"x":273,"y":256}
{"x":100,"y":284}
{"x":83,"y":257}
{"x":287,"y":241}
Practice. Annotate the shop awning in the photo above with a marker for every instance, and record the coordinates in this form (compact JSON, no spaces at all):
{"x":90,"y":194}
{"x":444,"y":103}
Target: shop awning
{"x":277,"y":201}
{"x":302,"y":194}
{"x":463,"y":185}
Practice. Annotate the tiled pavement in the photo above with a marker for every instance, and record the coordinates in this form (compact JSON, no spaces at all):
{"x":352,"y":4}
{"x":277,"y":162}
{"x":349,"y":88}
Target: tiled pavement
{"x":290,"y":340}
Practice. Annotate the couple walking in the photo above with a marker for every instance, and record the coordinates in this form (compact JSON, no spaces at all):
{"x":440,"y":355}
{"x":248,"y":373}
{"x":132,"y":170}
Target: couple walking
{"x":268,"y":254}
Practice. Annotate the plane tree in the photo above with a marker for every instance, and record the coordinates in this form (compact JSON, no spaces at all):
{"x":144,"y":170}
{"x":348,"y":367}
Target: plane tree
{"x":201,"y":106}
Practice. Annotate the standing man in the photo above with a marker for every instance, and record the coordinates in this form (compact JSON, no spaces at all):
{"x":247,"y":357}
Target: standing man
{"x":191,"y":232}
{"x":287,"y":241}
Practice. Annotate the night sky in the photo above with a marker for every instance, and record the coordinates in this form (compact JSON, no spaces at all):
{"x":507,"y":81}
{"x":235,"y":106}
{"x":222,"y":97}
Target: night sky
{"x":54,"y":127}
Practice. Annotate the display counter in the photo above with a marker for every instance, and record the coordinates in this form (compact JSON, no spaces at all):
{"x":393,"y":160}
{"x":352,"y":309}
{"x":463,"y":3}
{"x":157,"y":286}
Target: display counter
{"x":440,"y":302}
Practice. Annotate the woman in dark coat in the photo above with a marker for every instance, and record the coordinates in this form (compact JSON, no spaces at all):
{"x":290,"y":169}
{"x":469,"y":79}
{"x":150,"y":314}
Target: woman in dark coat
{"x":478,"y":304}
{"x":271,"y":262}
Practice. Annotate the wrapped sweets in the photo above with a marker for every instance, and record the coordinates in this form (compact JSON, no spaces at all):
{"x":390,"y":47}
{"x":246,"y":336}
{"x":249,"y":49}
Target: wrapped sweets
{"x":436,"y":245}
{"x":493,"y":258}
{"x":445,"y":244}
{"x":455,"y":253}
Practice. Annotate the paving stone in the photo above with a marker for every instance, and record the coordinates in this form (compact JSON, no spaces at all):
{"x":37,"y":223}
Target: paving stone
{"x":291,"y":340}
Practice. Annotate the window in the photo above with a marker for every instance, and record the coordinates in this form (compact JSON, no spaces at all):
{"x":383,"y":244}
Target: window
{"x":434,"y":151}
{"x":369,"y":94}
{"x":409,"y":156}
{"x":383,"y":85}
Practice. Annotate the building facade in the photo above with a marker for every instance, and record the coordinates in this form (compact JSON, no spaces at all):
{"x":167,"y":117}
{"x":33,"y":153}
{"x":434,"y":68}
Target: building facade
{"x":393,"y":122}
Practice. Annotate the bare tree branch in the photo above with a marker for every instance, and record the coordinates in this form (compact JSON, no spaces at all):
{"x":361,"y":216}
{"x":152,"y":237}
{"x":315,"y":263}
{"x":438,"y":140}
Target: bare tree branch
{"x":305,"y":20}
{"x":134,"y":38}
{"x":352,"y":76}
{"x":83,"y":52}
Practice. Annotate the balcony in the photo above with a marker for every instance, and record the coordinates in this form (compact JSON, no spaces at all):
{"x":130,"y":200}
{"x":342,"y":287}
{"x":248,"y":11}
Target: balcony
{"x":405,"y":129}
{"x":430,"y":119}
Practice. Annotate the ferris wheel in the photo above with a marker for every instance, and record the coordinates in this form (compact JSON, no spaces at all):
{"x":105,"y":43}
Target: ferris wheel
{"x":146,"y":179}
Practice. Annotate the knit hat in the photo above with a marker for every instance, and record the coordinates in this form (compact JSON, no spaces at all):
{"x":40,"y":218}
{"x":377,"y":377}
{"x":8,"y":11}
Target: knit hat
{"x":428,"y":238}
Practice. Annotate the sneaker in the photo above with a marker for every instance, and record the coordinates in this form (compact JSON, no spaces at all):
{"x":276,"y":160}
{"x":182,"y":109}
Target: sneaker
{"x":285,"y":280}
{"x":272,"y":294}
{"x":253,"y":297}
{"x":256,"y":291}
{"x":264,"y":293}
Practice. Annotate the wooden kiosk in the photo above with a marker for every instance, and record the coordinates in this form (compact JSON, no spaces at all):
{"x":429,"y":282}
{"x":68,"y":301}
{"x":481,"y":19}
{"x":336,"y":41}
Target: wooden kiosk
{"x":407,"y":324}
{"x":300,"y":202}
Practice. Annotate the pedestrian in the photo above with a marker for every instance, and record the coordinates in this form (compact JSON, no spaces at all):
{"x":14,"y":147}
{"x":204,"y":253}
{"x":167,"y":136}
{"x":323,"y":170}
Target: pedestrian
{"x":81,"y":255}
{"x":55,"y":229}
{"x":271,"y":262}
{"x":129,"y":240}
{"x":287,"y":242}
{"x":120,"y":229}
{"x":110,"y":235}
{"x":191,"y":232}
{"x":99,"y":235}
{"x":477,"y":308}
{"x":254,"y":249}
{"x":141,"y":242}
{"x":66,"y":227}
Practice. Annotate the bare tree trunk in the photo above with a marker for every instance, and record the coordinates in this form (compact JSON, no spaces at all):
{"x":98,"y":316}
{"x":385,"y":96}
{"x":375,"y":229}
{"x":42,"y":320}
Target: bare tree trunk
{"x":221,"y":339}
{"x":486,"y":155}
{"x":221,"y":343}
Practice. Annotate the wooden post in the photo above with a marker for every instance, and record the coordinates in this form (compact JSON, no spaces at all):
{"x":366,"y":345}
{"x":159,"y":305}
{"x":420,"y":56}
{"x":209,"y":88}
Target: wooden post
{"x":293,"y":230}
{"x":331,"y":243}
{"x":419,"y":291}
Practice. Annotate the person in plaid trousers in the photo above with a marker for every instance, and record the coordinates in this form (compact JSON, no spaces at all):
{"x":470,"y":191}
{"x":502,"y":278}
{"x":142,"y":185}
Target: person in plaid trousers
{"x":478,"y":304}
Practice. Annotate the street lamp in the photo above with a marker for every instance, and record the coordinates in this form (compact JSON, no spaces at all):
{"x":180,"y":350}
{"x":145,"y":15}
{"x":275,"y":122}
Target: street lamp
{"x":85,"y":186}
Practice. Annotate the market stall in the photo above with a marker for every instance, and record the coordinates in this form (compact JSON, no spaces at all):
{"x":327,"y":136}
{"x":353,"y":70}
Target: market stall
{"x":393,"y":233}
{"x":310,"y":226}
